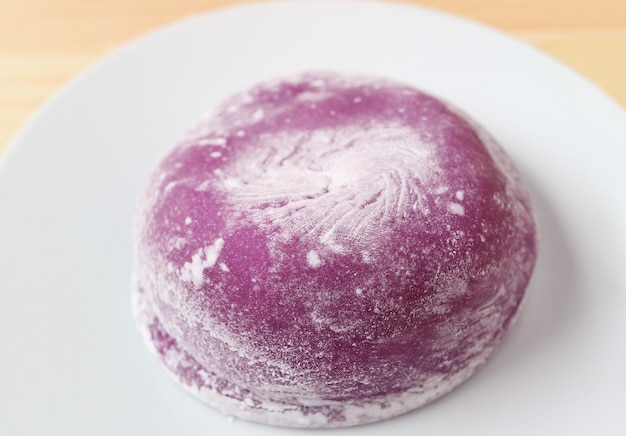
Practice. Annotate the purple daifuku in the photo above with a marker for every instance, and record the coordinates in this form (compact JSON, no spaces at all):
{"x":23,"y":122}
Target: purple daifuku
{"x":329,"y":250}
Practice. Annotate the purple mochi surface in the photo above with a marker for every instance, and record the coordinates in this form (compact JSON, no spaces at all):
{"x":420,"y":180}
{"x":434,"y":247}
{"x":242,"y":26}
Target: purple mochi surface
{"x":330,"y":250}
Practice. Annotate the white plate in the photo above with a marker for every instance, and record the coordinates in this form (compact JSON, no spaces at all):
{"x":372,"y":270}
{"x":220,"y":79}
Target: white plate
{"x":71,"y":360}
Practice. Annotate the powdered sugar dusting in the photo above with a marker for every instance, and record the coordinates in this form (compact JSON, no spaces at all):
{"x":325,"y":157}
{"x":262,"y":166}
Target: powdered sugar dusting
{"x":313,"y":259}
{"x":201,"y":260}
{"x":236,"y":401}
{"x":220,"y":142}
{"x":303,"y":182}
{"x":456,"y":208}
{"x":258,"y":115}
{"x":213,"y":251}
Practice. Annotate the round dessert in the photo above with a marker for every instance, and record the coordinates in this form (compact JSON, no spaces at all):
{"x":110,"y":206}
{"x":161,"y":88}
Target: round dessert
{"x":329,"y":250}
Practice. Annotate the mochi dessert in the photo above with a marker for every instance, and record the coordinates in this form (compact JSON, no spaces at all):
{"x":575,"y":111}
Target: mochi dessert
{"x":330,"y":250}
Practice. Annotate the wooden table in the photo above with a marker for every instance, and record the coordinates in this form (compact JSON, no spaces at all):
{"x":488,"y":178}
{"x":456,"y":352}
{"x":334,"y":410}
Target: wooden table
{"x":43,"y":43}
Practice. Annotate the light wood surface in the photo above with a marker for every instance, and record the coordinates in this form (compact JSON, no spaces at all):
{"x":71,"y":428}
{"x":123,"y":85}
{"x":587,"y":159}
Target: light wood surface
{"x":44,"y":43}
